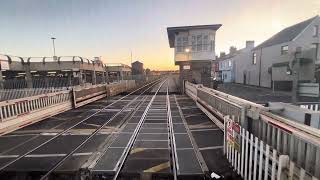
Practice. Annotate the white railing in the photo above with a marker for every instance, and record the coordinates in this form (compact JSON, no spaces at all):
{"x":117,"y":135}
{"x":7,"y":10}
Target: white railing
{"x":191,"y":90}
{"x":254,"y":160}
{"x":85,"y":95}
{"x":120,"y":87}
{"x":8,"y":94}
{"x":17,"y":113}
{"x":15,"y":108}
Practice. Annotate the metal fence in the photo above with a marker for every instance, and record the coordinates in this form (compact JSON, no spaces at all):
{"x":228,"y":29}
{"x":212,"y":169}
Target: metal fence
{"x":48,"y":82}
{"x":302,"y":147}
{"x":8,"y":94}
{"x":14,"y":108}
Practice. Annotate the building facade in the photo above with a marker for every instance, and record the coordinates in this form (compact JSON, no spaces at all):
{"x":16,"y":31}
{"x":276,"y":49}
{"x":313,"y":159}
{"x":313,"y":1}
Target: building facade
{"x":194,"y":51}
{"x":226,"y":64}
{"x":242,"y":63}
{"x":137,"y":68}
{"x":272,"y":62}
{"x":229,"y":68}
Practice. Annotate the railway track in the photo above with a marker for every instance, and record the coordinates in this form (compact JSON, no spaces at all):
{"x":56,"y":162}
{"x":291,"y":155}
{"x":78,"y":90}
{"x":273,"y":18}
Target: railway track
{"x":141,"y":135}
{"x":131,"y":104}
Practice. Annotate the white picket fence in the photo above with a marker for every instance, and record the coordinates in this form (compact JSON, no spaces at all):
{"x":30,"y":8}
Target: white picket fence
{"x":311,"y":106}
{"x":254,"y":160}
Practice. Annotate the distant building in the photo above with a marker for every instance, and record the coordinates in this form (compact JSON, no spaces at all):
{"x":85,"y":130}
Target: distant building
{"x":194,"y":51}
{"x":230,"y":67}
{"x":272,"y":60}
{"x":137,"y":68}
{"x":148,"y":71}
{"x":118,"y":71}
{"x":226,"y":64}
{"x":35,"y":72}
{"x":242,"y":65}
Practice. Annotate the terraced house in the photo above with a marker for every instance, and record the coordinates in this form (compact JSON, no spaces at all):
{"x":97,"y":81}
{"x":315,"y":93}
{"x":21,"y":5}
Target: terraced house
{"x":273,"y":62}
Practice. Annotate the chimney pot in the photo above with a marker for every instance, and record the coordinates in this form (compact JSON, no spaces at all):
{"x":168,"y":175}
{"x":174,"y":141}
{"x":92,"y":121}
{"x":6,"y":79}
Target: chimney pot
{"x":232,"y":50}
{"x":250,"y":44}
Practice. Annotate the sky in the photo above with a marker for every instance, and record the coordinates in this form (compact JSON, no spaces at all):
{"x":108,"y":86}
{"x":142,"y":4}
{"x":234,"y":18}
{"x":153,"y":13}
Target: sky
{"x":113,"y":29}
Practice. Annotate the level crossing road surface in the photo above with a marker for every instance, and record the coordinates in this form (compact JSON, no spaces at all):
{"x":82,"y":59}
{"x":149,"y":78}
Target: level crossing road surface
{"x":152,"y":133}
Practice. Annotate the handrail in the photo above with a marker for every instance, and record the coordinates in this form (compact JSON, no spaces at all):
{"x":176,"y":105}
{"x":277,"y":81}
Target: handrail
{"x":13,"y":108}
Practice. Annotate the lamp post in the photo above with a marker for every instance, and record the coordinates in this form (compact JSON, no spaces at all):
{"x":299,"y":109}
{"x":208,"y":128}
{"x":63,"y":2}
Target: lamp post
{"x":54,"y":49}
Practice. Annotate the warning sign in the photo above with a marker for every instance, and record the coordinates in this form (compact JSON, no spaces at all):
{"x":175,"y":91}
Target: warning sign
{"x":234,"y":137}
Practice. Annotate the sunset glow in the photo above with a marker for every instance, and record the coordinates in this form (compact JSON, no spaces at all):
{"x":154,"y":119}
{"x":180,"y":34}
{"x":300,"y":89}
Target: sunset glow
{"x":112,"y":29}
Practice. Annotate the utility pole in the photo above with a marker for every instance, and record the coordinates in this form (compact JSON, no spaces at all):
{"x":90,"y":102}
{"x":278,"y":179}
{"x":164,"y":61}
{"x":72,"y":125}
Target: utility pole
{"x":54,"y":49}
{"x":296,"y":73}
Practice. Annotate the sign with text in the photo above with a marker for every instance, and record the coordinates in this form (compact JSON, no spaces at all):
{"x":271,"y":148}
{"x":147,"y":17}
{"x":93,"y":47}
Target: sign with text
{"x":4,"y":65}
{"x":234,"y":137}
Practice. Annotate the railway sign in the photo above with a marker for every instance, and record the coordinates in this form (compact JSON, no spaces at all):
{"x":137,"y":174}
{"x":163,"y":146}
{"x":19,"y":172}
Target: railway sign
{"x":234,"y":137}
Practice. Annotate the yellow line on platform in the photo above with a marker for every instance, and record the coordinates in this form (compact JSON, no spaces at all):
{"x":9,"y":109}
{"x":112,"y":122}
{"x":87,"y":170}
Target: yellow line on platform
{"x":136,"y":150}
{"x":158,"y":168}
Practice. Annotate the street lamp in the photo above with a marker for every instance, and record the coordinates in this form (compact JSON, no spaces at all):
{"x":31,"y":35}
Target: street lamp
{"x":54,"y":49}
{"x":187,"y":50}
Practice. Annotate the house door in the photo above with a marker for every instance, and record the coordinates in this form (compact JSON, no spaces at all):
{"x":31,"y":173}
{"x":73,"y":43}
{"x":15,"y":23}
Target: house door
{"x":244,"y":78}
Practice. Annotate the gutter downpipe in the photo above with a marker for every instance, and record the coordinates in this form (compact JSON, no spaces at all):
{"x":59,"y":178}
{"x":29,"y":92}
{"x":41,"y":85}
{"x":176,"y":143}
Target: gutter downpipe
{"x":260,"y":67}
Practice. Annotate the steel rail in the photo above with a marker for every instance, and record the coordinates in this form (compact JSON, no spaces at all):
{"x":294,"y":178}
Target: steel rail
{"x":18,"y":145}
{"x":66,"y":130}
{"x":89,"y":138}
{"x":112,"y":139}
{"x":172,"y":138}
{"x":196,"y":149}
{"x":135,"y":133}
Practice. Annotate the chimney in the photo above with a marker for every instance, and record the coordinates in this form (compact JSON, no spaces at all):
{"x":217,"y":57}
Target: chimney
{"x":232,"y":50}
{"x":250,"y":44}
{"x":222,"y":54}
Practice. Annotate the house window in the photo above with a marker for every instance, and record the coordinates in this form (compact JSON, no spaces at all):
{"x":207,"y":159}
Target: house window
{"x":229,"y":63}
{"x":315,"y":31}
{"x":193,"y":43}
{"x":179,"y":44}
{"x":205,"y":42}
{"x":254,"y":58}
{"x":199,"y":43}
{"x":185,"y":43}
{"x":211,"y":45}
{"x":284,"y":49}
{"x":316,"y":47}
